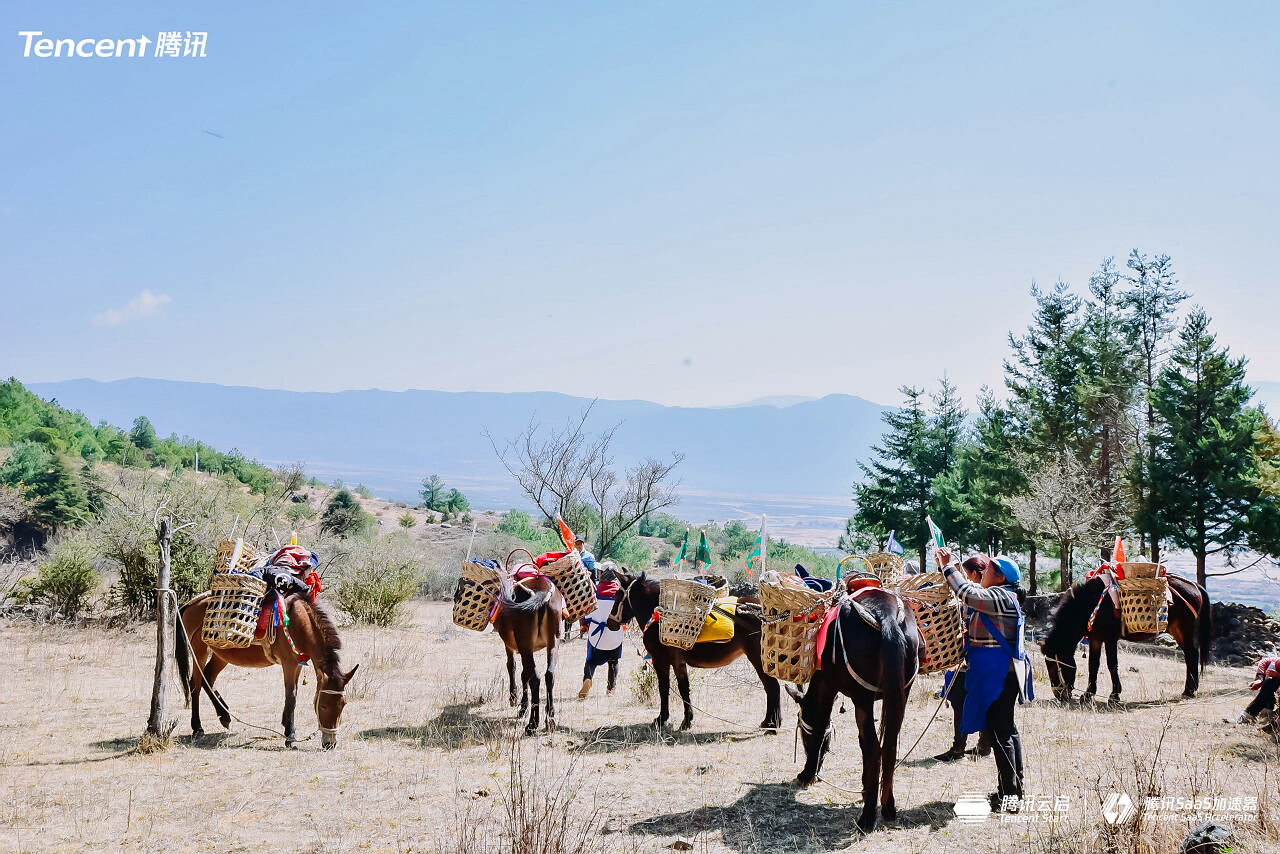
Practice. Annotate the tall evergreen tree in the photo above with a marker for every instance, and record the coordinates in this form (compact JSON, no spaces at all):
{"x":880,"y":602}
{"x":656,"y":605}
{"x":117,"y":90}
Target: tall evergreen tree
{"x":1043,"y":372}
{"x":1106,"y":387}
{"x":1152,"y":300}
{"x":1204,"y":489}
{"x":897,"y":493}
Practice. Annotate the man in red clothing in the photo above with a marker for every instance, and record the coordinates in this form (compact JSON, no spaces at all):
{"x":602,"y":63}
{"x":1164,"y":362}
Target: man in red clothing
{"x":1265,"y":682}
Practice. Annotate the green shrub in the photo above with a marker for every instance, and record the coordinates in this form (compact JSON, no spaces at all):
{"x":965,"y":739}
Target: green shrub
{"x":65,"y":581}
{"x":377,"y":575}
{"x":407,"y":521}
{"x":344,"y":517}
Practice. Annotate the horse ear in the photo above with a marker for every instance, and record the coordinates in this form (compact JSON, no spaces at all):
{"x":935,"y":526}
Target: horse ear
{"x":794,"y":691}
{"x":350,"y":673}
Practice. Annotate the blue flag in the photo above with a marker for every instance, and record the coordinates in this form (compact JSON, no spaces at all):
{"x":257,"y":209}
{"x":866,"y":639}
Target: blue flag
{"x":894,"y":547}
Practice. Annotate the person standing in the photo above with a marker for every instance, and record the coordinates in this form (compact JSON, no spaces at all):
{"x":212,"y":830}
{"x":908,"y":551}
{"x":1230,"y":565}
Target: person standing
{"x":588,"y":559}
{"x":955,"y":693}
{"x":995,"y":661}
{"x":604,"y":646}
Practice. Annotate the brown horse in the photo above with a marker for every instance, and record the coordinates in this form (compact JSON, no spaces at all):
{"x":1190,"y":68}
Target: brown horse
{"x":871,"y":653}
{"x":638,"y":599}
{"x":314,"y":634}
{"x":528,"y":620}
{"x":1190,"y":624}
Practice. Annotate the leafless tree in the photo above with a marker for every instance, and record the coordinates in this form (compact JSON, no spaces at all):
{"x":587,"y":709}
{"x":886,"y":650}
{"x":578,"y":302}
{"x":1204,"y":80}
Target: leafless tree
{"x":1061,"y":502}
{"x":570,"y":473}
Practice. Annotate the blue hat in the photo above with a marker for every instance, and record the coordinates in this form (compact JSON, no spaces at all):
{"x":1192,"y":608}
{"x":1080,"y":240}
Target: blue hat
{"x":1008,"y":569}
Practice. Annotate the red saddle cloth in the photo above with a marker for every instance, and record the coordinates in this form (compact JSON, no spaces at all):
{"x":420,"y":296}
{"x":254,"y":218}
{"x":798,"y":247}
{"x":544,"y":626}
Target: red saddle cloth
{"x":264,"y":615}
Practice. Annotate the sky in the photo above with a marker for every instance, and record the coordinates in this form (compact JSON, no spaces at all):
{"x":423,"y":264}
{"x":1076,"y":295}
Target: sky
{"x":695,"y":204}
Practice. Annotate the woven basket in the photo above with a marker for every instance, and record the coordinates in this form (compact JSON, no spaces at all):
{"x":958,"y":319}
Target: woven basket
{"x":231,"y":613}
{"x":683,"y":607}
{"x":474,"y":599}
{"x":235,"y":556}
{"x":572,"y":578}
{"x":889,"y":567}
{"x":1142,"y":569}
{"x":1144,"y":605}
{"x":718,"y":583}
{"x":940,"y":618}
{"x":791,"y":618}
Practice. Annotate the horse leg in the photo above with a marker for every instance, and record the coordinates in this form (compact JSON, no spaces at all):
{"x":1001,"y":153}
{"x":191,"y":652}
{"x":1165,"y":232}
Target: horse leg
{"x":553,"y":656}
{"x":290,"y":700}
{"x":773,"y":696}
{"x":870,"y":744}
{"x":211,"y":670}
{"x":199,"y":654}
{"x":511,"y":676}
{"x":529,"y":674}
{"x":815,"y":713}
{"x":1113,"y":664}
{"x":1095,"y":661}
{"x":682,"y":684}
{"x":663,"y":671}
{"x":1191,"y":654}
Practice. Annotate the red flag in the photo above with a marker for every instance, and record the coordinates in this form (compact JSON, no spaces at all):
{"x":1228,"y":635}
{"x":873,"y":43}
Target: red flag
{"x":566,"y":536}
{"x":1117,"y":556}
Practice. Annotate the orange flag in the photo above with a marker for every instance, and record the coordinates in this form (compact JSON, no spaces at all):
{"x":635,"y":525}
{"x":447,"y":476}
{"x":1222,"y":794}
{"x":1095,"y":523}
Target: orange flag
{"x":566,"y":536}
{"x":1117,"y":556}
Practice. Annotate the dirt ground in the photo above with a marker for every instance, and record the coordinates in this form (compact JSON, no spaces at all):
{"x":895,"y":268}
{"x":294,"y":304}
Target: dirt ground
{"x":428,"y":761}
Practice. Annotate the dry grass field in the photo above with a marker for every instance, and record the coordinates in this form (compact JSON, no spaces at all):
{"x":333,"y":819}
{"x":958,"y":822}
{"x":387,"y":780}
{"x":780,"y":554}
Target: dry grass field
{"x":428,"y":761}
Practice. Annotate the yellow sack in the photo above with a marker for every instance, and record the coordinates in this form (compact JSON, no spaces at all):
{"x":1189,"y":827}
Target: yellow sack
{"x":718,"y":628}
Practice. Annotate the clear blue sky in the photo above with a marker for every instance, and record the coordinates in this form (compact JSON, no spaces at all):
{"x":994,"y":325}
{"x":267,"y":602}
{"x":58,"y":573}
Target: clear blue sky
{"x":688,"y":203}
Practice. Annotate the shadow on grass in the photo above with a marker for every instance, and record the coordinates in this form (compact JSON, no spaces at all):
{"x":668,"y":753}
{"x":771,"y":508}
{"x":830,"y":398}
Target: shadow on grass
{"x":611,"y":739}
{"x":768,"y":816}
{"x":457,"y":727}
{"x":1101,"y":704}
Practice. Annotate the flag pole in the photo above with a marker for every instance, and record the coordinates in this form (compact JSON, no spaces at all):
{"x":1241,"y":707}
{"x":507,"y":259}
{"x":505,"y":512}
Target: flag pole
{"x":764,"y":543}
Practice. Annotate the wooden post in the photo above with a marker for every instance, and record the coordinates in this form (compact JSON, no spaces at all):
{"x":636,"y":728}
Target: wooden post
{"x":164,"y":628}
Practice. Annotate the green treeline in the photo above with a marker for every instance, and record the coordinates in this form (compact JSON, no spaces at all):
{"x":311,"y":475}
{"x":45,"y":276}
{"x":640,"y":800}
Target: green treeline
{"x":1121,"y":416}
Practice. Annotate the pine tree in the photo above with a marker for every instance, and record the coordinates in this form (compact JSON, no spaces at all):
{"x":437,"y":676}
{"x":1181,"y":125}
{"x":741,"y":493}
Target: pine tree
{"x":1152,"y":300}
{"x":1204,"y":491}
{"x":917,"y":448}
{"x":1043,"y":373}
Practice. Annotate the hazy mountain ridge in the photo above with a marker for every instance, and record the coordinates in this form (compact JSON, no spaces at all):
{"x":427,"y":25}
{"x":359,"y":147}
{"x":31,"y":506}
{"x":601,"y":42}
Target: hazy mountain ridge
{"x":797,"y":460}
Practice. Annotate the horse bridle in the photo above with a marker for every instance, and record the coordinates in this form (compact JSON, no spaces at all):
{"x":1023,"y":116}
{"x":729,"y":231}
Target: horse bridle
{"x":343,"y":694}
{"x":626,"y":595}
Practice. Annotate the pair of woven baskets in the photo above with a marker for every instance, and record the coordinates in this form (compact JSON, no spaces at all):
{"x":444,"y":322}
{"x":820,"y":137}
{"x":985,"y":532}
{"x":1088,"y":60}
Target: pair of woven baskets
{"x":1144,"y":598}
{"x":939,"y":617}
{"x":235,"y":598}
{"x":683,"y":606}
{"x":475,"y":596}
{"x":791,"y":618}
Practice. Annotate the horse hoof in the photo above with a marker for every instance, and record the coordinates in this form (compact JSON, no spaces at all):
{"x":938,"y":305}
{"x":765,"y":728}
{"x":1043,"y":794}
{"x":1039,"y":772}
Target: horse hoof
{"x":197,"y":733}
{"x":1086,"y":697}
{"x":660,"y":723}
{"x":889,"y":811}
{"x":1114,"y":699}
{"x":290,"y":743}
{"x":515,"y":701}
{"x":803,"y":781}
{"x":550,"y":727}
{"x":531,"y":729}
{"x":686,"y":725}
{"x":226,"y":722}
{"x":867,"y":823}
{"x":770,"y":727}
{"x":1188,"y":695}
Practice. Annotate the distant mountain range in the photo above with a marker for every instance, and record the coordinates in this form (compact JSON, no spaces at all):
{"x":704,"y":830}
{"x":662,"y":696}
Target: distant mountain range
{"x":793,"y":458}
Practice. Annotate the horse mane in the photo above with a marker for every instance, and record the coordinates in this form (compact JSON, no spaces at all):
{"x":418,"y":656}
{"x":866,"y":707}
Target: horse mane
{"x":331,"y":643}
{"x":1072,"y":610}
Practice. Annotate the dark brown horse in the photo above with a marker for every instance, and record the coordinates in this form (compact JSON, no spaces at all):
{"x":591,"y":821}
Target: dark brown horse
{"x":528,"y":620}
{"x":314,"y":634}
{"x":638,"y":598}
{"x":872,"y":652}
{"x":1190,"y":624}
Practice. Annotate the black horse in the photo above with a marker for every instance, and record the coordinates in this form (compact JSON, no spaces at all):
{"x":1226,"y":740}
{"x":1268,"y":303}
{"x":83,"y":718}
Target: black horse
{"x":1190,"y":624}
{"x":872,"y":652}
{"x":638,"y":597}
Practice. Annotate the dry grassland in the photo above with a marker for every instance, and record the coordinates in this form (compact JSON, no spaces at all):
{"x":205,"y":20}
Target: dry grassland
{"x":427,"y":753}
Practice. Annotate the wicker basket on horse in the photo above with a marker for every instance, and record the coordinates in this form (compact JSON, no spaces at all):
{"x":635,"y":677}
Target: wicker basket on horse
{"x":717,"y":582}
{"x":939,"y":616}
{"x":475,"y":597}
{"x":791,"y":618}
{"x":1144,"y":604}
{"x":889,"y":567}
{"x":572,"y":578}
{"x":683,"y":607}
{"x":235,"y":598}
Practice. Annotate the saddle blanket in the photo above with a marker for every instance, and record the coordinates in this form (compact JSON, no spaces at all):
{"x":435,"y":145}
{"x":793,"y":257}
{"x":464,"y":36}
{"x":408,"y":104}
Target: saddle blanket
{"x":718,"y":627}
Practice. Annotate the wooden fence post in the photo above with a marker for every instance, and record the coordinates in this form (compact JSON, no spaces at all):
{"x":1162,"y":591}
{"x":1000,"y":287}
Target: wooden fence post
{"x":164,"y":628}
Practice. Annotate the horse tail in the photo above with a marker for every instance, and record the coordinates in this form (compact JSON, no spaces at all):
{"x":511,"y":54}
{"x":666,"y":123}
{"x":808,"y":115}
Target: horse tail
{"x":535,"y":601}
{"x":1206,"y":629}
{"x":182,"y":655}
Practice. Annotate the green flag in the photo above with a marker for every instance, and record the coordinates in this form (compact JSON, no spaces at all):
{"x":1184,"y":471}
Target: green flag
{"x":753,"y":559}
{"x":678,"y":564}
{"x":936,"y":532}
{"x":703,"y":556}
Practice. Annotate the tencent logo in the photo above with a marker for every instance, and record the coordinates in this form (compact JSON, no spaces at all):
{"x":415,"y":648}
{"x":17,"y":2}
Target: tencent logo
{"x":972,"y":808}
{"x":1117,"y":808}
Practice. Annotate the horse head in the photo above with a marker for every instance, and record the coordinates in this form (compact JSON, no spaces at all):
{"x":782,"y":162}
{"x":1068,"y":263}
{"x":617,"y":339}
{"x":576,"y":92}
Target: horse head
{"x":331,"y":699}
{"x":628,"y":602}
{"x":1068,"y":624}
{"x":815,"y":743}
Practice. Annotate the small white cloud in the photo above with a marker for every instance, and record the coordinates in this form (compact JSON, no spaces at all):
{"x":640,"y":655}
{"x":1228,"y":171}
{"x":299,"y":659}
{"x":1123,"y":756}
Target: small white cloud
{"x":145,"y":304}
